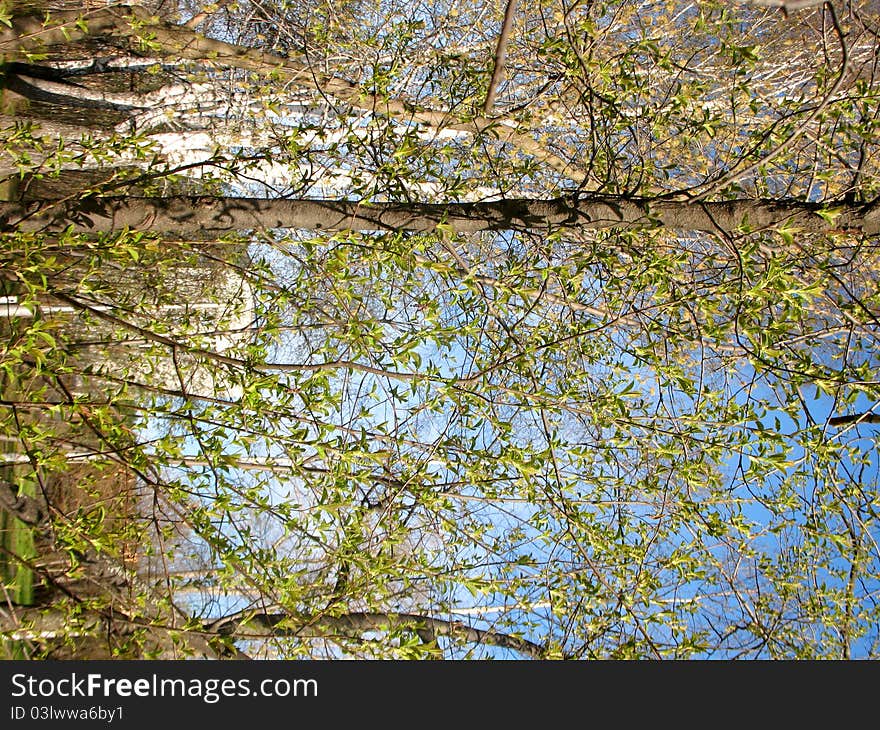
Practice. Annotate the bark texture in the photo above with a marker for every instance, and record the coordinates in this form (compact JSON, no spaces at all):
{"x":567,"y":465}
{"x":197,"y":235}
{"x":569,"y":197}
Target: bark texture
{"x":185,"y":215}
{"x":251,"y":624}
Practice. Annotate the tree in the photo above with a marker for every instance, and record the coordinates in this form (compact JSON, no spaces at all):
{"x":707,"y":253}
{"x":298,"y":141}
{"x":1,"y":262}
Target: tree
{"x":537,"y":300}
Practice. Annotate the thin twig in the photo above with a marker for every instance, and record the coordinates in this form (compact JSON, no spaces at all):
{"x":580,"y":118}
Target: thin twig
{"x":196,"y":20}
{"x":788,"y":5}
{"x":732,"y":175}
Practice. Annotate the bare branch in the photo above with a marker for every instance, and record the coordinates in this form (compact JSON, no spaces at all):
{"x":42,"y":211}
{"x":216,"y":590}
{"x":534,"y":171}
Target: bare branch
{"x":500,"y":55}
{"x":789,"y":5}
{"x":854,"y":418}
{"x":734,"y":174}
{"x":196,"y":20}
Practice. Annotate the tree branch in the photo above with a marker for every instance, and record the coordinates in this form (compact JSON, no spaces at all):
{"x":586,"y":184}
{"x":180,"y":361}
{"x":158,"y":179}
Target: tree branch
{"x":854,"y":418}
{"x":789,"y":5}
{"x":500,"y":55}
{"x":734,"y":174}
{"x":249,"y":624}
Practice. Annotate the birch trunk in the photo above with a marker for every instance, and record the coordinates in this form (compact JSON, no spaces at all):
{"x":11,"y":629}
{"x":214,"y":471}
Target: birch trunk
{"x":184,"y":215}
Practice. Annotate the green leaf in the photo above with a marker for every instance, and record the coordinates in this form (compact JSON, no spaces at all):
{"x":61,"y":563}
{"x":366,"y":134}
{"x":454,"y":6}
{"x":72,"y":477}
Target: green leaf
{"x":830,"y":215}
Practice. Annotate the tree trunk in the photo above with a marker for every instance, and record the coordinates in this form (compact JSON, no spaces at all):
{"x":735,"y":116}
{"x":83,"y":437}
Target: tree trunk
{"x":185,"y":215}
{"x":256,"y":625}
{"x":29,"y":34}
